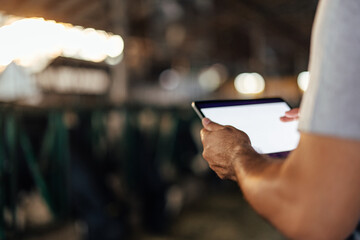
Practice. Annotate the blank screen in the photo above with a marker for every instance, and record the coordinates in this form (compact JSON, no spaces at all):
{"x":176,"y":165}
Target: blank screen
{"x":261,"y":122}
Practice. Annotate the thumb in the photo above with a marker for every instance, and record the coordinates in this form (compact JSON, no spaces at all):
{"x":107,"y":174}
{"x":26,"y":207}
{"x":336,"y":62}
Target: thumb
{"x":211,"y":126}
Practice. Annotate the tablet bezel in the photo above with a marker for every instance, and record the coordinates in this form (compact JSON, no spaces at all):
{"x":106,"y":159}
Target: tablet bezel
{"x":198,"y":105}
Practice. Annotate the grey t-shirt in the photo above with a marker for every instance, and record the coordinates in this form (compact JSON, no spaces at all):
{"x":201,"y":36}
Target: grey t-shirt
{"x":331,"y":105}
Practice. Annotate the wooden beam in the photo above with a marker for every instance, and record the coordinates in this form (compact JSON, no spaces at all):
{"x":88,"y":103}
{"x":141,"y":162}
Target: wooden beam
{"x":86,"y":10}
{"x":118,"y":92}
{"x":78,"y":6}
{"x":67,"y":5}
{"x":52,"y":5}
{"x":11,"y":7}
{"x":99,"y":20}
{"x":273,"y":22}
{"x":32,"y":4}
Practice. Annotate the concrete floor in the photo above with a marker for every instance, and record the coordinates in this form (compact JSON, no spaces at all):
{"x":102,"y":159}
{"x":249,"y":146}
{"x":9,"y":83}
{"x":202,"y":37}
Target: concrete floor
{"x":219,"y":215}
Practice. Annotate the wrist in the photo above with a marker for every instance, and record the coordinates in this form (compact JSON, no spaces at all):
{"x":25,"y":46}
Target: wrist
{"x":249,"y":164}
{"x":243,"y":158}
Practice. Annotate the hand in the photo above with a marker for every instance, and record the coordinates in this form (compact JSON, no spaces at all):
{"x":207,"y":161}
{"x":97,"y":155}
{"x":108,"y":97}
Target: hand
{"x":224,"y":148}
{"x":291,"y":115}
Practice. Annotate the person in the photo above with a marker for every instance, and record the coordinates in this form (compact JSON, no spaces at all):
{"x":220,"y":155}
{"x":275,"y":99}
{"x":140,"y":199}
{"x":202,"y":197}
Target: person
{"x":315,"y":192}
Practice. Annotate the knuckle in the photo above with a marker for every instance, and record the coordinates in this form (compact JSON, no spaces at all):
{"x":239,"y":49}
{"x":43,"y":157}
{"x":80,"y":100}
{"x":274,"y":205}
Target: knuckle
{"x":221,"y":176}
{"x":213,"y":167}
{"x":229,"y":128}
{"x":205,"y":154}
{"x":202,"y":133}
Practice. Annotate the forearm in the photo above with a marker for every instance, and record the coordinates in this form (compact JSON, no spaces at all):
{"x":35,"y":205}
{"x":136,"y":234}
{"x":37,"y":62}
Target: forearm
{"x":306,"y":193}
{"x":263,"y":184}
{"x":313,"y":194}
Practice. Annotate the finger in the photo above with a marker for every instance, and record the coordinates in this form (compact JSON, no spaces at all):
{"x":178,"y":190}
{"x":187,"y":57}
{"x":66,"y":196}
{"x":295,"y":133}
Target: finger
{"x":203,"y":132}
{"x":286,"y":119}
{"x":211,"y":126}
{"x":293,"y":113}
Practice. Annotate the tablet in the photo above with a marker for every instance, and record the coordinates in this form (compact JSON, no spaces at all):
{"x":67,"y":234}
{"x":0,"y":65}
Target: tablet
{"x":259,"y":118}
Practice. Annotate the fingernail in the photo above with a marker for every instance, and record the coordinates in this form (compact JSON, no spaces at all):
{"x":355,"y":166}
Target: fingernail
{"x":206,"y":121}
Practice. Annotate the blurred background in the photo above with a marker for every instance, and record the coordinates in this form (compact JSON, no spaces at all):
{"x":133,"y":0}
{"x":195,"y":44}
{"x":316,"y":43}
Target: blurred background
{"x":97,"y":136}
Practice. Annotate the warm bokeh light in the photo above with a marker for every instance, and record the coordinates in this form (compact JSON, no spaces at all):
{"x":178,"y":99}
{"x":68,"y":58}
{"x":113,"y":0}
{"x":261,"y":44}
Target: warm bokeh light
{"x":114,"y":46}
{"x":303,"y":80}
{"x":209,"y":79}
{"x":34,"y":42}
{"x":72,"y":80}
{"x":169,"y":79}
{"x":249,"y":83}
{"x":212,"y":77}
{"x":16,"y":84}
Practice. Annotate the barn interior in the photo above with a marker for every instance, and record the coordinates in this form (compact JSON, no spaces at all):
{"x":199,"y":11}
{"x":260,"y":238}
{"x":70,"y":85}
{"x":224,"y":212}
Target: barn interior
{"x":98,"y":137}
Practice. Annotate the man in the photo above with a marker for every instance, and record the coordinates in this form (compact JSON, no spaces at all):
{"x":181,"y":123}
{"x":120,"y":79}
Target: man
{"x":315,"y":192}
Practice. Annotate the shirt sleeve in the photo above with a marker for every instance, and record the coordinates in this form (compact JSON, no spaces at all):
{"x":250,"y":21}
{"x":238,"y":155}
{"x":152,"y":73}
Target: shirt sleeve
{"x":331,"y":105}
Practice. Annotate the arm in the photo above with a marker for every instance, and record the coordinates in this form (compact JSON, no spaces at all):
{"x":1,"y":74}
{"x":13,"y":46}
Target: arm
{"x":313,"y":194}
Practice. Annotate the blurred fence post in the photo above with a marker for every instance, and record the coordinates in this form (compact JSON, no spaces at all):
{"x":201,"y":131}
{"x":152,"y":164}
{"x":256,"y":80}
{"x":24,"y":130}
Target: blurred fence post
{"x":35,"y":171}
{"x":129,"y":143}
{"x":61,"y":165}
{"x":168,"y":130}
{"x":11,"y":137}
{"x":2,"y":184}
{"x":98,"y":133}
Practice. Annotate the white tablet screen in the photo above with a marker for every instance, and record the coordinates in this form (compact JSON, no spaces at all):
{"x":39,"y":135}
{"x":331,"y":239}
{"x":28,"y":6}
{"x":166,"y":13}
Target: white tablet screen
{"x":261,"y":122}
